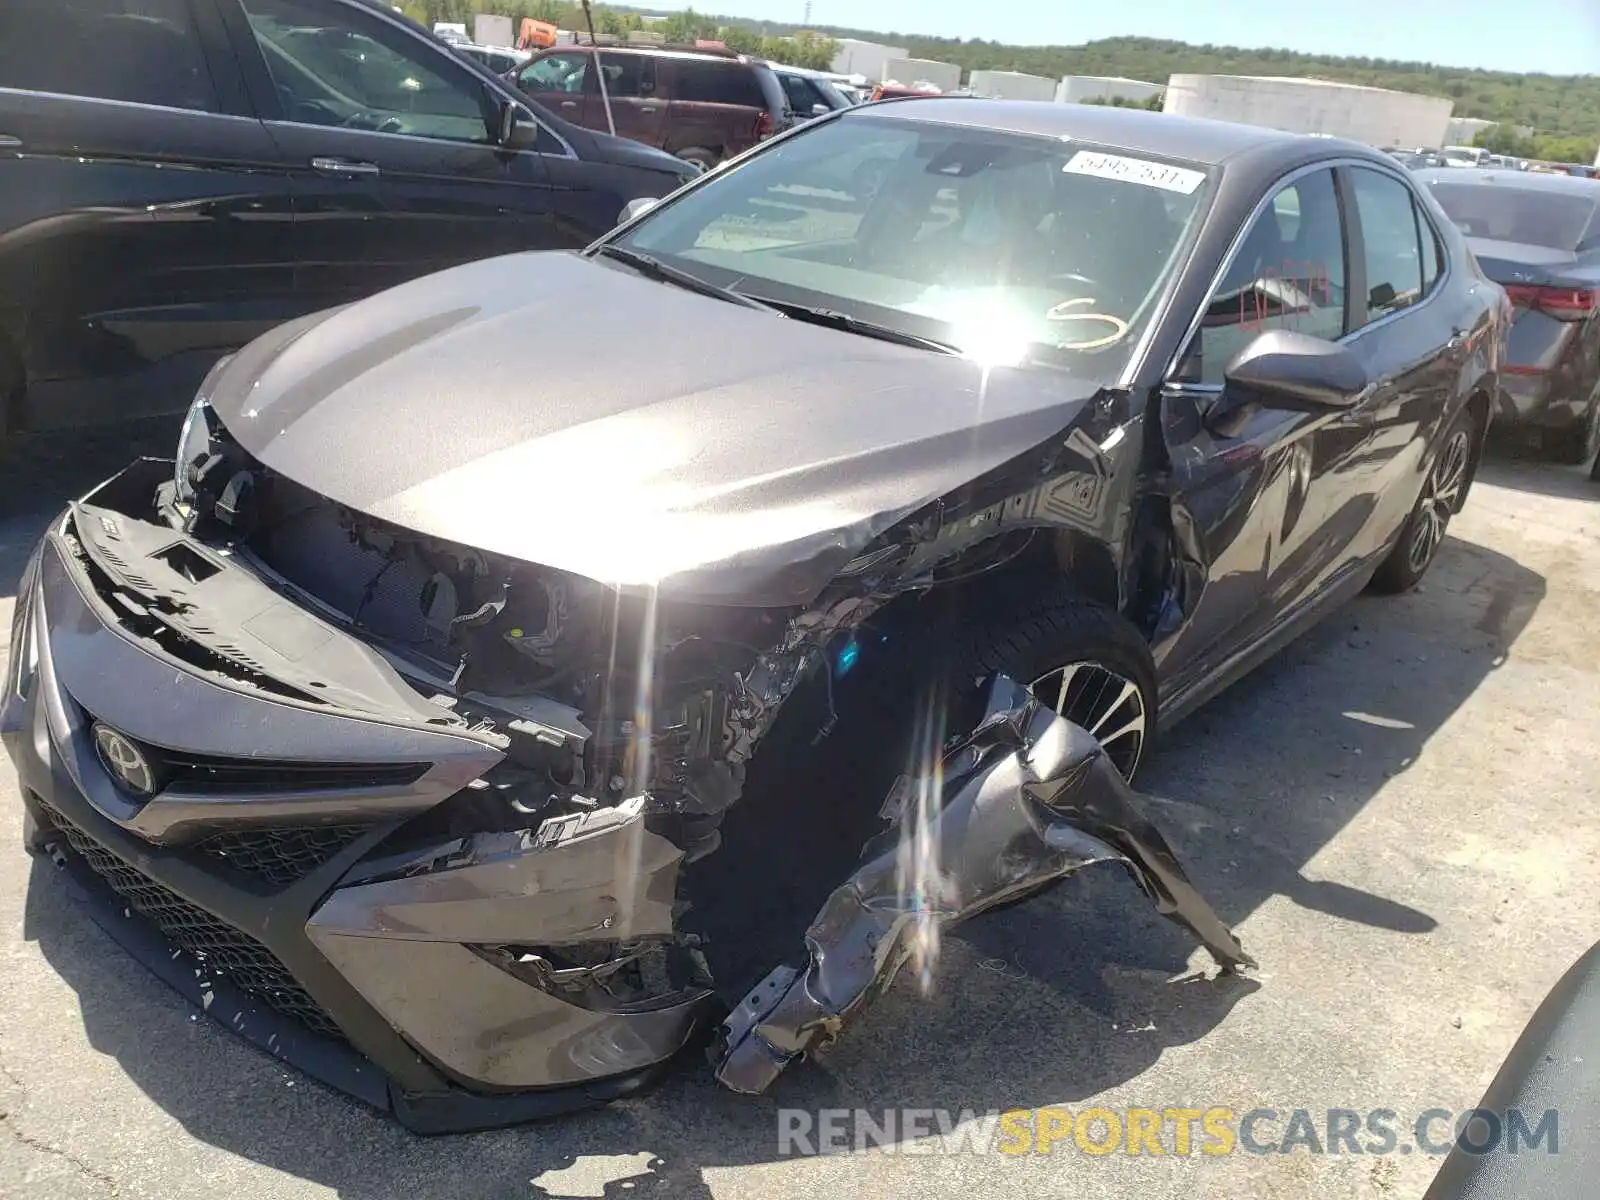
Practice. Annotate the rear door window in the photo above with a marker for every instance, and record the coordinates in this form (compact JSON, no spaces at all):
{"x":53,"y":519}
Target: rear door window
{"x":629,"y":75}
{"x":140,"y":51}
{"x":716,"y":81}
{"x":1389,"y":237}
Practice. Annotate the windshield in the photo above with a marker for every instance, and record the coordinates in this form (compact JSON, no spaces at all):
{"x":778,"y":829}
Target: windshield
{"x":1005,"y":247}
{"x":1512,"y":214}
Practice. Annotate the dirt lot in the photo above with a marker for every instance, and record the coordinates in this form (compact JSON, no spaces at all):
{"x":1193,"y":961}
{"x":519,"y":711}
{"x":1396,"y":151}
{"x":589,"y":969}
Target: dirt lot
{"x":1397,"y":814}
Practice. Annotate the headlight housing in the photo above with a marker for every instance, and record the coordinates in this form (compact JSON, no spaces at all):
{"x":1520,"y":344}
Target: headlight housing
{"x":194,"y":440}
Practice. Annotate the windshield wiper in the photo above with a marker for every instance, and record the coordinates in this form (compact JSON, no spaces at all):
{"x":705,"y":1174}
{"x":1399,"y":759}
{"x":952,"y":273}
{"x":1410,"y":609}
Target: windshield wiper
{"x":646,"y":264}
{"x":834,"y":319}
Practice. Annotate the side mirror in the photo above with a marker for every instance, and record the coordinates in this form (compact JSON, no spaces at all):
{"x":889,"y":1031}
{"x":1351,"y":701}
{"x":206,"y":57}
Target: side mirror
{"x":636,"y":208}
{"x":1294,"y":371}
{"x":518,"y":130}
{"x":820,"y":110}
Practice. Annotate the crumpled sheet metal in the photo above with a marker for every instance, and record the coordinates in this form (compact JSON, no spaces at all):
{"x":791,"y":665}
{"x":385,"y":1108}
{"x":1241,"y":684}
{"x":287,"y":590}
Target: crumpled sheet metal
{"x":1024,"y":799}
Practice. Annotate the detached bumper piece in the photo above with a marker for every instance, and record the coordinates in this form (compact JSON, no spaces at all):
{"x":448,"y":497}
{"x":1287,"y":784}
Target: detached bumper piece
{"x":1024,"y":799}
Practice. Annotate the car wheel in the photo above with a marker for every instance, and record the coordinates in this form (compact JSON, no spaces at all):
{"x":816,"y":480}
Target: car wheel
{"x":1084,"y":660}
{"x":1572,"y":444}
{"x":700,"y":157}
{"x":1424,"y":530}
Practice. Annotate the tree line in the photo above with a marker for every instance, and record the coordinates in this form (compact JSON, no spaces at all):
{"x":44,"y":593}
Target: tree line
{"x":1562,"y":110}
{"x":801,"y":48}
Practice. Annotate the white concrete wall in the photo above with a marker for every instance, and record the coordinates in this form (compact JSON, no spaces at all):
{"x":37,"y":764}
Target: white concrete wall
{"x":943,"y":75}
{"x":1371,"y":115}
{"x":1075,"y":89}
{"x":1462,"y":130}
{"x":855,"y":57}
{"x":1011,"y":85}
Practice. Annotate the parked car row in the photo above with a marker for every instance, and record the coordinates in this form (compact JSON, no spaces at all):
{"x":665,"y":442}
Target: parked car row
{"x":1010,"y":432}
{"x":1538,"y":236}
{"x":237,"y":163}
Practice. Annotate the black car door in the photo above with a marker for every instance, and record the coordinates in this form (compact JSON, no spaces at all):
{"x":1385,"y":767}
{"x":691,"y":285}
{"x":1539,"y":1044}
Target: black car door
{"x":1412,"y":345}
{"x":391,"y":141}
{"x":1249,"y":481}
{"x":144,"y":210}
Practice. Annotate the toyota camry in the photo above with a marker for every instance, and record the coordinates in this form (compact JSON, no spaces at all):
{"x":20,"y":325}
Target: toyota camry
{"x":445,"y":726}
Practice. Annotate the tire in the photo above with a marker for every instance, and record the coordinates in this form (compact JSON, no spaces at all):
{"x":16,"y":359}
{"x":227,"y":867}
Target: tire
{"x":1111,"y":688}
{"x":700,"y":157}
{"x":1568,"y":444}
{"x":1442,"y":492}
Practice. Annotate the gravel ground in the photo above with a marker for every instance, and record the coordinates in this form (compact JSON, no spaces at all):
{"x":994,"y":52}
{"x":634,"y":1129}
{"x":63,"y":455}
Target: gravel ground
{"x":1396,"y":813}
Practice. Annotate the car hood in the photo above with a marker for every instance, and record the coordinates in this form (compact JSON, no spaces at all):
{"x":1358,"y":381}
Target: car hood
{"x":567,"y":411}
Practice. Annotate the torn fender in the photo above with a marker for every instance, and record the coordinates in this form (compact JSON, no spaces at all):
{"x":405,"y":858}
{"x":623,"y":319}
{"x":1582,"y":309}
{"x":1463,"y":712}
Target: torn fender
{"x":1025,"y":798}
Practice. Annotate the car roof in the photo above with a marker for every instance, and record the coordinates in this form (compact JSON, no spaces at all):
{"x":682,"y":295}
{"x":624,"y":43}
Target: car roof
{"x":711,"y":56}
{"x":1530,"y":181}
{"x":1139,"y":130}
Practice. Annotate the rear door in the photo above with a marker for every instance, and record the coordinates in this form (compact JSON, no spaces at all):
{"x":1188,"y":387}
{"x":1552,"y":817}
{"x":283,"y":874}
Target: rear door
{"x":391,"y":145}
{"x":717,"y":106}
{"x":144,"y":210}
{"x":633,"y":83}
{"x":1413,"y":345}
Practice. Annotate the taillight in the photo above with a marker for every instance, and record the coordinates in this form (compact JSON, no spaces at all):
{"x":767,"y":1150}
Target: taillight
{"x":765,"y":126}
{"x":1562,"y":303}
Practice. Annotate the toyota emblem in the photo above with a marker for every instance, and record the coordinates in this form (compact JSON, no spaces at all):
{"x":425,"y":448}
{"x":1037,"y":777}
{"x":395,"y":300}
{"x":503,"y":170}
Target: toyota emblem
{"x":125,"y":761}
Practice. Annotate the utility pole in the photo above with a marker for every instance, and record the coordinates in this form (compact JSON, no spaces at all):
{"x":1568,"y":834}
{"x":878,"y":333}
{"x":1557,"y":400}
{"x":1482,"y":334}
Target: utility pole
{"x":806,"y":20}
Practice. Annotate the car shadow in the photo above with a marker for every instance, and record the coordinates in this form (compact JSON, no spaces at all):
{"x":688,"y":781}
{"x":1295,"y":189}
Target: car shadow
{"x":1562,"y":481}
{"x":1071,"y":993}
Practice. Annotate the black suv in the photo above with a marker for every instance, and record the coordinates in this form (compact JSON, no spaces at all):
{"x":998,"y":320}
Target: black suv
{"x":230,"y":164}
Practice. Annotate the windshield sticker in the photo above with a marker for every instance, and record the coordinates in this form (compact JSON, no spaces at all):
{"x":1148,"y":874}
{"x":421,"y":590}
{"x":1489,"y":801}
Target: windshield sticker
{"x":1135,"y":170}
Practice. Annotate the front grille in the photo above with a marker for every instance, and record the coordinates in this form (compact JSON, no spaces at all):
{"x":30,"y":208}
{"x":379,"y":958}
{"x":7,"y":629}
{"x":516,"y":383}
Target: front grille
{"x":233,"y":954}
{"x":280,"y":856}
{"x":207,"y":773}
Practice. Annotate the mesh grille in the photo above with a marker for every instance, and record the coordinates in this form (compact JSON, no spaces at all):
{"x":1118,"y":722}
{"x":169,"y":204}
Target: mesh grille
{"x":231,"y":953}
{"x":280,"y":856}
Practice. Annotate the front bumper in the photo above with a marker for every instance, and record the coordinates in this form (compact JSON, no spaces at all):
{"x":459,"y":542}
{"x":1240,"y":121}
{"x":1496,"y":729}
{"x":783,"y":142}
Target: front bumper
{"x":261,"y":903}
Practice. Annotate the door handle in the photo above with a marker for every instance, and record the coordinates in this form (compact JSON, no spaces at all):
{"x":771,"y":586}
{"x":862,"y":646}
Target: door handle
{"x":343,"y":166}
{"x":647,"y":110}
{"x":569,"y":104}
{"x":1458,"y":339}
{"x":8,"y":142}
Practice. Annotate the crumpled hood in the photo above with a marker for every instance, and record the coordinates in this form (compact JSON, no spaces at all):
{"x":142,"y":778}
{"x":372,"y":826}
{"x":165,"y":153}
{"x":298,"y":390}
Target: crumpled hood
{"x":566,"y":411}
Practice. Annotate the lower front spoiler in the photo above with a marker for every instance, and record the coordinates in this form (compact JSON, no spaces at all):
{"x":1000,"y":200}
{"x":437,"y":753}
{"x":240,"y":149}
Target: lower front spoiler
{"x":330,"y":1061}
{"x":1024,"y":799}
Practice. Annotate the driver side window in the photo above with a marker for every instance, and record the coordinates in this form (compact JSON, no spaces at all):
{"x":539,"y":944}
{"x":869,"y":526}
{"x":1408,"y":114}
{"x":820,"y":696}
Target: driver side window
{"x":1289,"y":273}
{"x":330,"y":67}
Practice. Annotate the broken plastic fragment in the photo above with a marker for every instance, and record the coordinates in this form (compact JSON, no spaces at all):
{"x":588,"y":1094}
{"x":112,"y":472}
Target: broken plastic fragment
{"x":1026,"y":798}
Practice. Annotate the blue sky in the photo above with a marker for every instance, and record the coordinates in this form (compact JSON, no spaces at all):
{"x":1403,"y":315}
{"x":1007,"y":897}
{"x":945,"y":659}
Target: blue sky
{"x":1561,"y":37}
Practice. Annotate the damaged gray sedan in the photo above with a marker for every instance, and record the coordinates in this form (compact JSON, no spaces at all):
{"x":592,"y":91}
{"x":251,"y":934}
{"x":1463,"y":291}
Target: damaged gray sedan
{"x":444,"y":724}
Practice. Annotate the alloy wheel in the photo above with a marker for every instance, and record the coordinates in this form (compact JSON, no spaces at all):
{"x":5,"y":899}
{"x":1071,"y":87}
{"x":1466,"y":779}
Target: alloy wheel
{"x":1440,"y":496}
{"x":1107,"y":704}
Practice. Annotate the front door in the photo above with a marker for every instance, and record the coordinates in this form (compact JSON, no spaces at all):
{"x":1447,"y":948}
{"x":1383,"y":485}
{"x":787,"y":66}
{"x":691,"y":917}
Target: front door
{"x":391,"y":143}
{"x":144,"y":211}
{"x":1254,"y":488}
